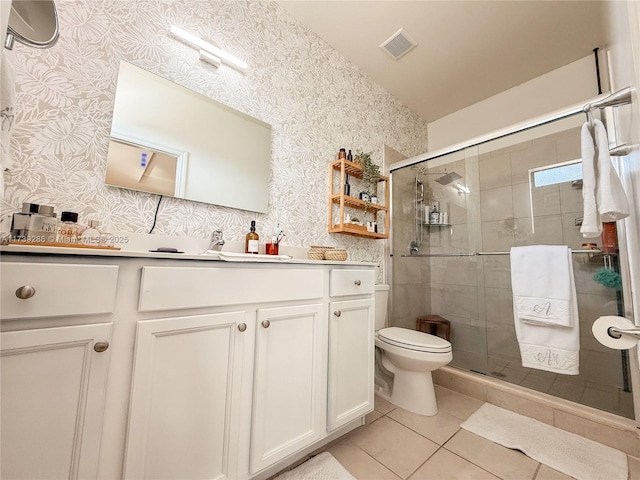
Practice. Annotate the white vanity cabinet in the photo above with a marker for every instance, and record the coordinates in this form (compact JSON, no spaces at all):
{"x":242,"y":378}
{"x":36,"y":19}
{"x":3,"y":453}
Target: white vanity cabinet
{"x":351,"y":346}
{"x":226,"y":370}
{"x":264,"y":347}
{"x":53,"y":363}
{"x":289,"y":387}
{"x":185,"y":385}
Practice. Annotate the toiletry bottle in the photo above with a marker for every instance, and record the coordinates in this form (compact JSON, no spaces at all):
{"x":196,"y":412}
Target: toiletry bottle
{"x":347,"y":187}
{"x":350,"y":156}
{"x":43,"y":226}
{"x":251,"y":244}
{"x":342,"y":154}
{"x":609,"y":238}
{"x":68,"y":228}
{"x":434,"y":217}
{"x":91,"y":235}
{"x":21,"y":220}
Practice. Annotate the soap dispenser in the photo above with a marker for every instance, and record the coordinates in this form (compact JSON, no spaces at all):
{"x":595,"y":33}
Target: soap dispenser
{"x":252,"y":241}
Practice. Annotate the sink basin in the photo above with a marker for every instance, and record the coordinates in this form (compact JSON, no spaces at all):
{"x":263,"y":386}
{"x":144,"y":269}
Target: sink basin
{"x":251,"y":257}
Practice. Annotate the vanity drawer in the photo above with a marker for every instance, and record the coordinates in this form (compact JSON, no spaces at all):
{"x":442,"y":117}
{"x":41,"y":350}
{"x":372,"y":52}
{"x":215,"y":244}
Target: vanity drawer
{"x":168,"y":288}
{"x":58,"y":289}
{"x":351,"y":282}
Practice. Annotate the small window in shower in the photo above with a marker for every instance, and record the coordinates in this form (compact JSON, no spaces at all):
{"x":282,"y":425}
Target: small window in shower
{"x":558,"y":173}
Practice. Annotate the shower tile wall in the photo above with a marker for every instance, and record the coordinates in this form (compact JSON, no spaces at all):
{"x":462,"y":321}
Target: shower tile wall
{"x":474,"y":293}
{"x":411,"y":278}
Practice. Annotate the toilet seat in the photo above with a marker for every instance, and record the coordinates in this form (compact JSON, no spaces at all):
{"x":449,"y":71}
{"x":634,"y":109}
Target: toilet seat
{"x":414,"y":340}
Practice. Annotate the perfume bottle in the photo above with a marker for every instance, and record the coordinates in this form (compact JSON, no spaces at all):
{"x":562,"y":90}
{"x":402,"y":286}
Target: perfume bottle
{"x":91,"y":235}
{"x":43,"y":226}
{"x":21,"y":221}
{"x":68,"y":228}
{"x":252,"y":240}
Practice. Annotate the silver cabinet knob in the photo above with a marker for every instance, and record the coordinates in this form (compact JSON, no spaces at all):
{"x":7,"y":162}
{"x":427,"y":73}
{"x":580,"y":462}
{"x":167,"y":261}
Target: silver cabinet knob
{"x":358,"y":282}
{"x":26,"y":291}
{"x":242,"y":327}
{"x":101,"y":346}
{"x":337,"y":313}
{"x":266,"y":323}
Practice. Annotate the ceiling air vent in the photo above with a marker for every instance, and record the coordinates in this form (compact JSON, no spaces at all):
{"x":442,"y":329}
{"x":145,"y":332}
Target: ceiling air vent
{"x":398,"y":44}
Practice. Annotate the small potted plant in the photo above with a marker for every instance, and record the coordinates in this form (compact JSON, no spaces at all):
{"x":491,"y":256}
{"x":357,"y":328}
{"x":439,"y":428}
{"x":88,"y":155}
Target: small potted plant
{"x":370,"y":174}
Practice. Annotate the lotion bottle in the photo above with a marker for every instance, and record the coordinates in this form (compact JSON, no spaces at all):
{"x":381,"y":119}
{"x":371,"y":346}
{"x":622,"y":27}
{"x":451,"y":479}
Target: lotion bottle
{"x":252,"y":241}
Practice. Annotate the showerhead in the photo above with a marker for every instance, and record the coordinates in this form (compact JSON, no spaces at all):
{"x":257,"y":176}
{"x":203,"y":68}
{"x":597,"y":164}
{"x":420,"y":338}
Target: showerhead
{"x":447,"y":178}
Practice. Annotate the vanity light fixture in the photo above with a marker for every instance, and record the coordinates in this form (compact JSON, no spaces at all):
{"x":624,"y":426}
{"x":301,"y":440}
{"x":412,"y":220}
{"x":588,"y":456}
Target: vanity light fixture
{"x":208,"y":52}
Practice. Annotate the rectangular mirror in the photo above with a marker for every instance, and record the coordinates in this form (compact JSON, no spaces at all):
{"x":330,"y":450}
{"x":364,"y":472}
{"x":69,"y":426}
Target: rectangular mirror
{"x":169,"y":140}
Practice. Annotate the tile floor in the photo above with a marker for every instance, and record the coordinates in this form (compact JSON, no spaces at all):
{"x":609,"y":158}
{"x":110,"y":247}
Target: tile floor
{"x":396,"y":444}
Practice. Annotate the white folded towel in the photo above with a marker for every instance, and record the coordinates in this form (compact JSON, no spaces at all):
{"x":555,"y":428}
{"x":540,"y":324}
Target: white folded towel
{"x":545,"y":308}
{"x":610,"y":197}
{"x":602,"y":193}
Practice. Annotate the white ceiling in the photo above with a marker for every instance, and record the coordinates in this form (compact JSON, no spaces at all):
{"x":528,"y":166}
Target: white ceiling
{"x":467,"y":50}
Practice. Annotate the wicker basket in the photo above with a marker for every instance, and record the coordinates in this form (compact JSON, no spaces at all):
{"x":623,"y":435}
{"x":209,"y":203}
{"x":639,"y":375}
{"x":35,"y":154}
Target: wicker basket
{"x":336,"y":254}
{"x":317,"y":252}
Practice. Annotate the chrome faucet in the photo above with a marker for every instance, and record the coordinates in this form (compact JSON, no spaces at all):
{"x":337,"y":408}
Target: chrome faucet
{"x":216,"y":241}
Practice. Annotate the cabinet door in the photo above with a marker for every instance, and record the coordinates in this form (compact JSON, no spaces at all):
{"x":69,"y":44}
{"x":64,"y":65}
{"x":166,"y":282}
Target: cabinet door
{"x":183,"y":388}
{"x":288,"y":379}
{"x":351,"y":361}
{"x":51,"y":401}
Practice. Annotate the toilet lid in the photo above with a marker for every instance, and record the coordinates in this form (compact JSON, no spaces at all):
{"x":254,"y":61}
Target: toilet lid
{"x":414,"y":340}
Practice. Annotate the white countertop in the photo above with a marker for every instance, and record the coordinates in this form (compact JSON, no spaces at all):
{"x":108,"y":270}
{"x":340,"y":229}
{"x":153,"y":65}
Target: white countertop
{"x":46,"y":250}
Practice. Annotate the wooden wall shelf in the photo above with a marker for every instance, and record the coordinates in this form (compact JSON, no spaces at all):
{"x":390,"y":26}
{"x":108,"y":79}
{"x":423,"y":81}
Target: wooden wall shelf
{"x":339,"y":202}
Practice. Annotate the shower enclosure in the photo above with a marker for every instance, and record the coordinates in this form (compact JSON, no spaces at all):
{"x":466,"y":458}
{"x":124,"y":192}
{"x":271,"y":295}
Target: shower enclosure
{"x":519,"y":189}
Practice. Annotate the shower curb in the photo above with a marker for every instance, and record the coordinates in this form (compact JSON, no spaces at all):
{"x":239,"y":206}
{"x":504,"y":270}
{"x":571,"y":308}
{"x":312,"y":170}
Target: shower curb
{"x":603,"y":427}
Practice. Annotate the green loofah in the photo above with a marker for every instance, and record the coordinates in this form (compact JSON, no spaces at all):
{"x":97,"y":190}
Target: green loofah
{"x":608,"y":278}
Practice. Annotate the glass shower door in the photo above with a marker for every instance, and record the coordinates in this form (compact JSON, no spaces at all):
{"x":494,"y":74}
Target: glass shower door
{"x":522,"y":189}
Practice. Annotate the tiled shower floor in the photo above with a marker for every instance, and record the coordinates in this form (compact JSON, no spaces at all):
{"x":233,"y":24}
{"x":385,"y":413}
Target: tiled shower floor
{"x":574,"y":388}
{"x":396,"y":444}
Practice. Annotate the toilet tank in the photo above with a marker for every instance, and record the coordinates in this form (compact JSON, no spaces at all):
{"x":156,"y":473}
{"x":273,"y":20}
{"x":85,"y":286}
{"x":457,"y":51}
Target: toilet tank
{"x":382,"y":302}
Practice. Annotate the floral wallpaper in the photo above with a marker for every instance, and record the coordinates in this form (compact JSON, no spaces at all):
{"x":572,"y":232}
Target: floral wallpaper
{"x":315,"y":100}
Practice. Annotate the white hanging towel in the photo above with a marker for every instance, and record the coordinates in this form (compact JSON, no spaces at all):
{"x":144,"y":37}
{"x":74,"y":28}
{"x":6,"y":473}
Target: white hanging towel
{"x":591,"y":223}
{"x":603,"y":197}
{"x":7,"y":112}
{"x":545,"y":308}
{"x":610,"y":197}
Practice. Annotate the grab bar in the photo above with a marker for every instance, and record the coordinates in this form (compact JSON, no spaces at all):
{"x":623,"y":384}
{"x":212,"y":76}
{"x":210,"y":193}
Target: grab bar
{"x":593,"y":251}
{"x":572,"y":251}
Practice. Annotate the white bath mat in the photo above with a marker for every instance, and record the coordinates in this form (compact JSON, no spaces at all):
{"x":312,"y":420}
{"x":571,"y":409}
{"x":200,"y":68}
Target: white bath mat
{"x":320,"y":467}
{"x":563,"y":451}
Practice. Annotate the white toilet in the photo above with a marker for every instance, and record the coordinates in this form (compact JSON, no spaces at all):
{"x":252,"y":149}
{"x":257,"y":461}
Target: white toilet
{"x":404,"y":361}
